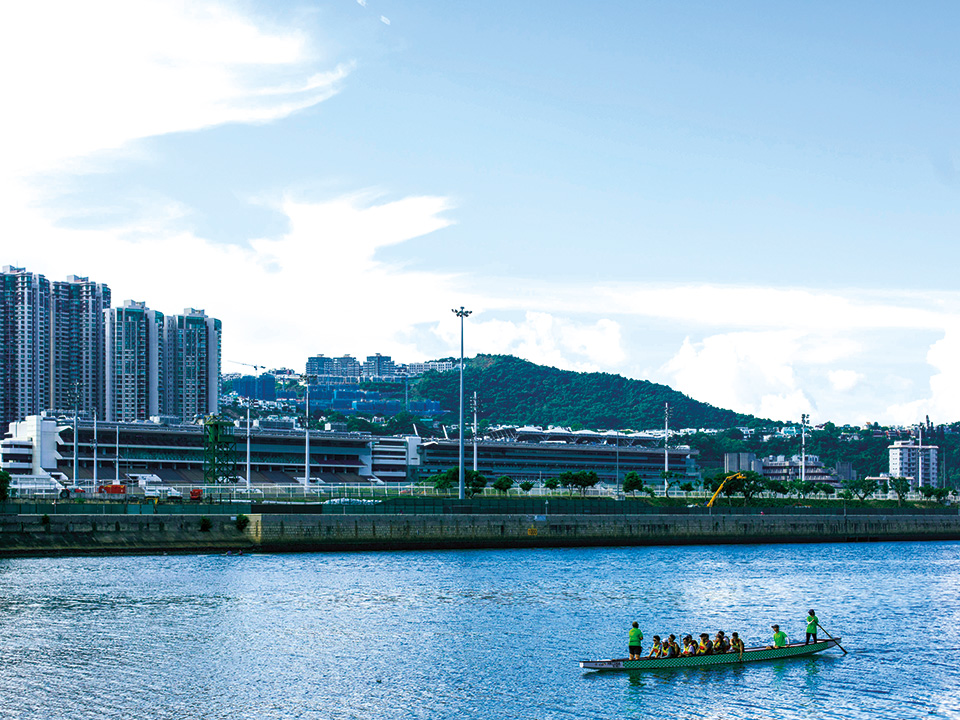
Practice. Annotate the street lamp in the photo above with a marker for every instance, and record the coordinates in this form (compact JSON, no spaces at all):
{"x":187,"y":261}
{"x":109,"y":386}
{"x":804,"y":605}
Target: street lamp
{"x":461,"y":313}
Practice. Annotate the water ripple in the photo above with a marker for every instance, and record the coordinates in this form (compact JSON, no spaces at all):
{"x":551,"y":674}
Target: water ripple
{"x":485,"y":634}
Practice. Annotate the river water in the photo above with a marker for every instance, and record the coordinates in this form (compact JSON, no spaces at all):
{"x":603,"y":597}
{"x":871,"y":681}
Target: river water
{"x":475,"y":634}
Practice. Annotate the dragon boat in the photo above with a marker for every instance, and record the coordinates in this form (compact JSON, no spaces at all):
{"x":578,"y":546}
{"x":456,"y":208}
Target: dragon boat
{"x":753,"y":654}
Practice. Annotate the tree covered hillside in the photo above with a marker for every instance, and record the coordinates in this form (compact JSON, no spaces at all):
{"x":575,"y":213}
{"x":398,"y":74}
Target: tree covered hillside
{"x":514,"y":391}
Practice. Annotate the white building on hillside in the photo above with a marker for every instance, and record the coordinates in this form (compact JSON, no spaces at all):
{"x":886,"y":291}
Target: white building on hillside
{"x":917,"y":462}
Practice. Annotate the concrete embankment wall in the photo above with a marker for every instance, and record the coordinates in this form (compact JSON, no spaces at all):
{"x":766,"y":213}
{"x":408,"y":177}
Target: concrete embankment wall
{"x":74,"y":534}
{"x":340,"y":532}
{"x":24,"y":535}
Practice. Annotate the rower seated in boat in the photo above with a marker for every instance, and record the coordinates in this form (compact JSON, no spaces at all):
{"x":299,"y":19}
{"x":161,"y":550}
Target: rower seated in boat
{"x":720,"y":643}
{"x":736,"y":644}
{"x":689,"y":647}
{"x":779,"y":638}
{"x":657,"y":647}
{"x":670,"y":647}
{"x":706,"y":646}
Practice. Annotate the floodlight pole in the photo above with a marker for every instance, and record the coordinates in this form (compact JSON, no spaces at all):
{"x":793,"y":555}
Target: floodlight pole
{"x":666,"y":452}
{"x":306,"y":449}
{"x":461,"y":313}
{"x":803,"y":447}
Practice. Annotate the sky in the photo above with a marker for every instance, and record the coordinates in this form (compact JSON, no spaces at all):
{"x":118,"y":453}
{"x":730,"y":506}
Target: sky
{"x":755,"y":203}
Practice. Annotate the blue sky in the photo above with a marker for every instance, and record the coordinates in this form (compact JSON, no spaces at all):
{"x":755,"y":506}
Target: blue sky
{"x":754,"y":203}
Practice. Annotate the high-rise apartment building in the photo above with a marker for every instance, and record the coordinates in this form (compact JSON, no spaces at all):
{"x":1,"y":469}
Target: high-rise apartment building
{"x":133,"y":362}
{"x":192,"y":364}
{"x":917,"y":462}
{"x":77,"y":357}
{"x":25,"y":344}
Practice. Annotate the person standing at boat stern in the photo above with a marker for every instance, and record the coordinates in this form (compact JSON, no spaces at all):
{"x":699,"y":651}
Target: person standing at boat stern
{"x":636,"y":640}
{"x":812,"y":622}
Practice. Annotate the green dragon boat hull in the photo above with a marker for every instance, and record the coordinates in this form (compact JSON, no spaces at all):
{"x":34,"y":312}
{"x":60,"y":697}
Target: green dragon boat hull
{"x":749,"y":655}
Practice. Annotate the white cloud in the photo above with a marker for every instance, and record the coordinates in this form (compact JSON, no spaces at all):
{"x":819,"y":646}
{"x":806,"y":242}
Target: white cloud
{"x":96,"y":75}
{"x":843,"y":380}
{"x":541,"y":338}
{"x":943,"y":403}
{"x":750,"y":372}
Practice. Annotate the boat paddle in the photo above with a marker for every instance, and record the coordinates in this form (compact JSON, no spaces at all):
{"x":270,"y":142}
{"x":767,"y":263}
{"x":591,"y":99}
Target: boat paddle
{"x":831,"y":637}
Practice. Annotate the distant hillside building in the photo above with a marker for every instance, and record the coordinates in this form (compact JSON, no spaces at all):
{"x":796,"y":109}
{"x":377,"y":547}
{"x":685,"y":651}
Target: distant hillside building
{"x":263,"y":387}
{"x":414,"y":369}
{"x":379,"y":366}
{"x":742,"y":462}
{"x":326,"y":368}
{"x":917,"y":462}
{"x":784,"y":469}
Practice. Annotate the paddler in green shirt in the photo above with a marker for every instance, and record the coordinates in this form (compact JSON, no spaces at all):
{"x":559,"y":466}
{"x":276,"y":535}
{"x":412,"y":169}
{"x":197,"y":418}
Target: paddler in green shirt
{"x":779,"y":638}
{"x":812,"y":622}
{"x":636,"y":640}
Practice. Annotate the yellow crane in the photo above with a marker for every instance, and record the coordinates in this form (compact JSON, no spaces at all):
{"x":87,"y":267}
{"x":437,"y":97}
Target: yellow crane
{"x":735,"y":476}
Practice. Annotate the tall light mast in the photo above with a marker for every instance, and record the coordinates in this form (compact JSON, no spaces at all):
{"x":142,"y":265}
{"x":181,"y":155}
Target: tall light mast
{"x":474,"y":430}
{"x":461,"y":313}
{"x":666,"y":440}
{"x":803,"y":447}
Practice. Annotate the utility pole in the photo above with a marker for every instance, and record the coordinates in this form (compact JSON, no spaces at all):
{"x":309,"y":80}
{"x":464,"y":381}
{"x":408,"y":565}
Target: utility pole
{"x":94,"y":450}
{"x":803,"y":447}
{"x":474,"y":404}
{"x":618,"y":463}
{"x":666,"y":455}
{"x":248,"y":450}
{"x":461,"y":313}
{"x":76,"y":428}
{"x":305,"y":379}
{"x":920,"y":459}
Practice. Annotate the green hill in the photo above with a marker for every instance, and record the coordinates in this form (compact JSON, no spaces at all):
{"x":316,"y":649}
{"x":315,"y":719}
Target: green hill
{"x":514,"y":391}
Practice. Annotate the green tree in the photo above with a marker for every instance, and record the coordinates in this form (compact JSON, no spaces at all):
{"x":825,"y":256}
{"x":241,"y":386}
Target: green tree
{"x":862,"y":487}
{"x":446,"y":480}
{"x":474,"y":482}
{"x":632,"y":482}
{"x":526,"y":486}
{"x":551,"y":483}
{"x":746,"y":483}
{"x":801,"y":488}
{"x":901,"y":486}
{"x":825,"y":488}
{"x":503,"y":484}
{"x":580,"y":479}
{"x":687,"y":487}
{"x":4,"y":485}
{"x":845,"y":494}
{"x":932,"y":493}
{"x":776,"y":486}
{"x":671,"y":478}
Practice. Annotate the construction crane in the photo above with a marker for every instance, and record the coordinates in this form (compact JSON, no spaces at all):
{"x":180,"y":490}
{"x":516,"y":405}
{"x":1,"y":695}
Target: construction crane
{"x":738,"y":476}
{"x":257,"y":368}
